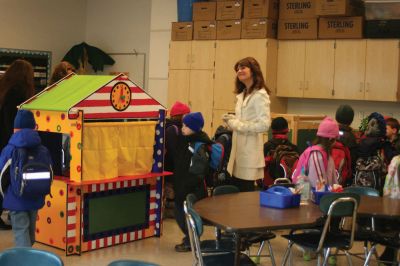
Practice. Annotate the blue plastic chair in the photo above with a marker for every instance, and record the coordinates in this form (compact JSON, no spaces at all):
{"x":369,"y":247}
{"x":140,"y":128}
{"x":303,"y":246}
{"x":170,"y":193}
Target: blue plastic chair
{"x":131,"y":263}
{"x":29,"y":257}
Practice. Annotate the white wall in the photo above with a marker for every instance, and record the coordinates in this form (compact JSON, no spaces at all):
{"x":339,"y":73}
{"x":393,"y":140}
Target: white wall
{"x":46,"y":25}
{"x":163,"y":12}
{"x":121,"y":26}
{"x":328,"y":107}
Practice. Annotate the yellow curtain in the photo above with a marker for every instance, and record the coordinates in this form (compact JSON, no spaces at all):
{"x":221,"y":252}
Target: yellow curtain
{"x":112,"y":149}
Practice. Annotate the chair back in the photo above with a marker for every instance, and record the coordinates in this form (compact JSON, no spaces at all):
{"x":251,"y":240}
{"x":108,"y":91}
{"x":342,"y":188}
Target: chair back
{"x":195,"y":226}
{"x":364,"y":191}
{"x":24,"y":256}
{"x":225,"y":189}
{"x":339,"y":205}
{"x":191,"y":200}
{"x":131,"y":263}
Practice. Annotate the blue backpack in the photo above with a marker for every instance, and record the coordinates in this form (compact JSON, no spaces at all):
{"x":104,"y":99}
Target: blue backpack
{"x":216,"y":161}
{"x":31,"y":173}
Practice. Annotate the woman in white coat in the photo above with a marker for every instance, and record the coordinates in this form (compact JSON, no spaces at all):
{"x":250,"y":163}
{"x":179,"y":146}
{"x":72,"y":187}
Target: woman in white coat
{"x":250,"y":121}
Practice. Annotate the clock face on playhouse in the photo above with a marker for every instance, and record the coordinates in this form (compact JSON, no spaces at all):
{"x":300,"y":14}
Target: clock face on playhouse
{"x":120,"y":96}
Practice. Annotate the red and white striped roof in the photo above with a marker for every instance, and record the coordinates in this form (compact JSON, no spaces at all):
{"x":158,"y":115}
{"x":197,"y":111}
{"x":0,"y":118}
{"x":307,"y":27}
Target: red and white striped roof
{"x":98,"y":104}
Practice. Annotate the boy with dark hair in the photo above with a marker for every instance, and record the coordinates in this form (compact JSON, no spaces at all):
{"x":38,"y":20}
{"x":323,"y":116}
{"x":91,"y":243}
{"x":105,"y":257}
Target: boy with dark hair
{"x":191,"y":167}
{"x":273,"y":165}
{"x":23,"y":211}
{"x":392,"y":134}
{"x":344,"y":117}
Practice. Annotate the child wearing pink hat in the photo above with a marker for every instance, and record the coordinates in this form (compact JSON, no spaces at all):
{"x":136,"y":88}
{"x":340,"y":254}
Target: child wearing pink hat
{"x":319,"y":166}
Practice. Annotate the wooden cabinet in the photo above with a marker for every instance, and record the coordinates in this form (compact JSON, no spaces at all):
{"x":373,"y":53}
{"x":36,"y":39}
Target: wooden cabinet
{"x":290,"y":77}
{"x":178,"y":86}
{"x":341,"y":69}
{"x":192,"y":55}
{"x":227,"y":53}
{"x":305,"y":69}
{"x":382,"y":70}
{"x":200,"y":95}
{"x":349,"y":69}
{"x":319,"y":68}
{"x":367,"y":70}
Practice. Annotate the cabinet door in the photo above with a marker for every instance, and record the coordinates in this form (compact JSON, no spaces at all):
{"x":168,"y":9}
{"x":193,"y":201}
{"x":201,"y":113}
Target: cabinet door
{"x":203,"y":55}
{"x":382,"y":70}
{"x":319,"y":67}
{"x":200,"y":95}
{"x":349,"y":69}
{"x":178,"y":86}
{"x":227,"y":54}
{"x":180,"y":54}
{"x":291,"y":58}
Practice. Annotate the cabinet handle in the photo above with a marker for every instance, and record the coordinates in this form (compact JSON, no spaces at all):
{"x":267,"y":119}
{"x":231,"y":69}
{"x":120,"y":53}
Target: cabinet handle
{"x":361,"y":86}
{"x":192,"y":58}
{"x":306,"y":86}
{"x":367,"y":89}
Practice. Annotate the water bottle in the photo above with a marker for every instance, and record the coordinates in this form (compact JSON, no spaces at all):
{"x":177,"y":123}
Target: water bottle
{"x":305,"y":186}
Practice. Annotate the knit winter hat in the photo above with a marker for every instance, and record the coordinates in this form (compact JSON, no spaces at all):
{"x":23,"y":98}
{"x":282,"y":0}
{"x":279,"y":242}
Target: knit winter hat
{"x":179,"y":109}
{"x":194,"y":121}
{"x":328,"y":128}
{"x":345,"y":114}
{"x":376,"y":126}
{"x":24,"y":119}
{"x":279,"y":125}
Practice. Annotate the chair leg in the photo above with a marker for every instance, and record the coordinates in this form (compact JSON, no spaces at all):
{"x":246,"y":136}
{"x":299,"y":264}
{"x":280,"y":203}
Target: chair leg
{"x":260,"y":248}
{"x":271,"y":253}
{"x":349,"y":261}
{"x":319,"y":259}
{"x":326,"y":256}
{"x":372,"y":250}
{"x":287,"y":253}
{"x":365,"y":249}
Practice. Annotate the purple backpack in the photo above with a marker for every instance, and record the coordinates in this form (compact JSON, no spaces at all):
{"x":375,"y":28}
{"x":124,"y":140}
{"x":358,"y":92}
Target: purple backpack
{"x":302,"y":163}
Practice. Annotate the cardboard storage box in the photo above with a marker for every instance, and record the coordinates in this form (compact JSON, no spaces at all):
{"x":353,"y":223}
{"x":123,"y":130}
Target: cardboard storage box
{"x":261,"y":9}
{"x":382,"y":29}
{"x":298,"y":29}
{"x":229,"y":10}
{"x":182,"y":31}
{"x":340,"y":28}
{"x":339,"y":8}
{"x":205,"y":30}
{"x":204,"y":10}
{"x":229,"y":29}
{"x":382,"y":10}
{"x":297,"y":9}
{"x":259,"y":28}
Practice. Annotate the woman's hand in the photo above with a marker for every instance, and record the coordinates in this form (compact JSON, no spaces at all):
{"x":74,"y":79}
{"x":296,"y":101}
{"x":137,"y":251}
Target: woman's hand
{"x":227,"y":117}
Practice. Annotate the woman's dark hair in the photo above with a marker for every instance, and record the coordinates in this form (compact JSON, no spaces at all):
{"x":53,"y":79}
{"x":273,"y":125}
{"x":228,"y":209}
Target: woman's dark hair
{"x":258,"y":79}
{"x":19,"y":75}
{"x":60,"y":71}
{"x":326,"y":143}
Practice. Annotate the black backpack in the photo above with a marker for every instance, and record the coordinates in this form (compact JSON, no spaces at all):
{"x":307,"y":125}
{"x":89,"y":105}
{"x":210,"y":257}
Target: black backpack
{"x":370,"y":172}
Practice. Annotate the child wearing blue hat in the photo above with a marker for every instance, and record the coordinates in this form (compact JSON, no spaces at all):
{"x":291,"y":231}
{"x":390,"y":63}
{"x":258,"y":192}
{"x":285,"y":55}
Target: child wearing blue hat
{"x":190,"y":169}
{"x":23,"y":211}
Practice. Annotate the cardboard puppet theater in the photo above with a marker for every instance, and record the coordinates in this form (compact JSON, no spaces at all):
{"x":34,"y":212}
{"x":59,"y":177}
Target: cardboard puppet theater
{"x":106,"y":139}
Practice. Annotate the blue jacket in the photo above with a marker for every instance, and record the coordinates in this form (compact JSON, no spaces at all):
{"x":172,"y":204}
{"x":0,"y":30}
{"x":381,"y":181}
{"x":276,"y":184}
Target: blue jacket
{"x":25,"y":138}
